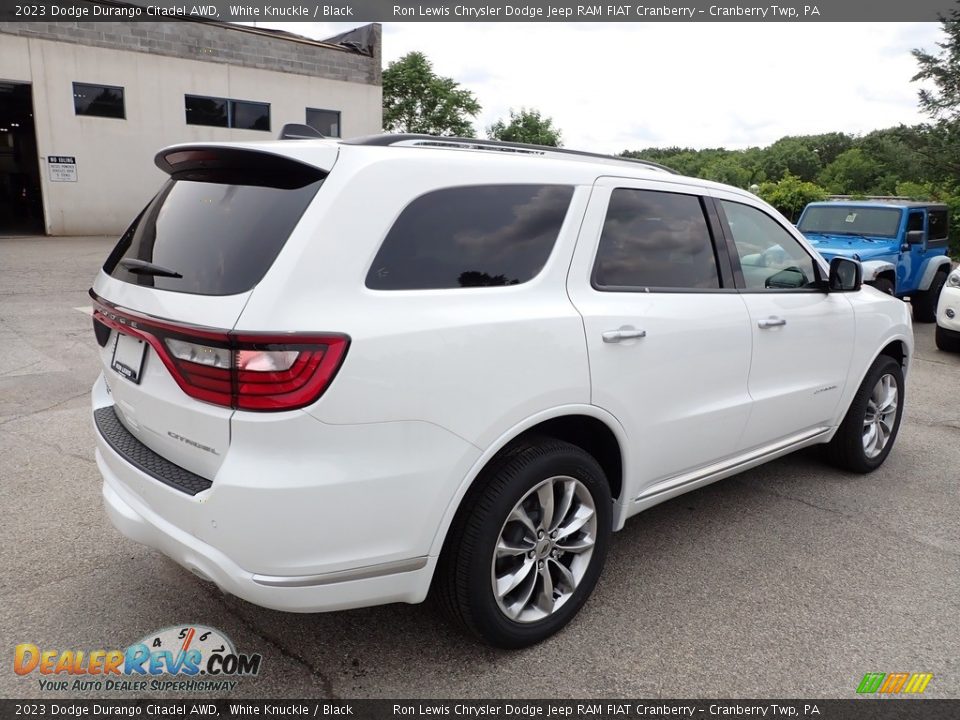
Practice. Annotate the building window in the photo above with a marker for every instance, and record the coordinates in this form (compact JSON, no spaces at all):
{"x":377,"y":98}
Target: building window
{"x":249,"y":115}
{"x":222,"y":112}
{"x":325,"y":122}
{"x":98,"y":100}
{"x":206,"y":111}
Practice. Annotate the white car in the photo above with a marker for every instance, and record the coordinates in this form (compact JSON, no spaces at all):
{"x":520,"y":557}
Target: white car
{"x":948,"y":314}
{"x":337,"y":374}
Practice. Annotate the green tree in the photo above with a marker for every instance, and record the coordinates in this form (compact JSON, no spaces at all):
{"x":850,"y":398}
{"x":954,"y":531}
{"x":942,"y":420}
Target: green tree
{"x":735,"y":167}
{"x":685,"y":161}
{"x":893,"y":151}
{"x":752,"y":158}
{"x":853,"y":173}
{"x":937,"y":145}
{"x":688,"y":162}
{"x":728,"y":169}
{"x":791,"y":194}
{"x":916,"y":191}
{"x":526,"y":126}
{"x":790,"y":155}
{"x":417,"y":100}
{"x":943,"y":69}
{"x":827,"y":146}
{"x":940,"y":141}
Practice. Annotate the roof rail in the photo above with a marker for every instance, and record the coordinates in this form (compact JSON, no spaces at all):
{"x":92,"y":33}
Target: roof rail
{"x":413,"y":140}
{"x":885,"y":198}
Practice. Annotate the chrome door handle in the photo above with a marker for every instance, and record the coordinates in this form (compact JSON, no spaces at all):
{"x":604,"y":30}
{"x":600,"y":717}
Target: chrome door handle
{"x":772,"y":321}
{"x":624,"y":333}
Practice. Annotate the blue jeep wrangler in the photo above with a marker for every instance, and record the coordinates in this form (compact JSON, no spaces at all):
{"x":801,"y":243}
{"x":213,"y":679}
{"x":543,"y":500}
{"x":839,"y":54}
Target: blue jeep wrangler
{"x":901,"y":245}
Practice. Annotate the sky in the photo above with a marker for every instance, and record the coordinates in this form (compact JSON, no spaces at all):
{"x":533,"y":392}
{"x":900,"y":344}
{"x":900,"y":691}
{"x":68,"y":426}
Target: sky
{"x":626,"y":86}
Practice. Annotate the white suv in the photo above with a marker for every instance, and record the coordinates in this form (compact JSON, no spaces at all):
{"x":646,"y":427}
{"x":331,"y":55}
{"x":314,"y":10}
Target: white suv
{"x":948,"y":314}
{"x":337,"y":374}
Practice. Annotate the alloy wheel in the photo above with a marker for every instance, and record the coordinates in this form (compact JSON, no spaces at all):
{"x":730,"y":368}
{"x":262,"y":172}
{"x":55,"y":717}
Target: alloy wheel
{"x":880,"y":416}
{"x":544,"y":549}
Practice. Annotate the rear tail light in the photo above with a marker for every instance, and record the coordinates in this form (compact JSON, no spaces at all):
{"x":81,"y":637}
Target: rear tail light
{"x":200,"y":354}
{"x":247,"y":371}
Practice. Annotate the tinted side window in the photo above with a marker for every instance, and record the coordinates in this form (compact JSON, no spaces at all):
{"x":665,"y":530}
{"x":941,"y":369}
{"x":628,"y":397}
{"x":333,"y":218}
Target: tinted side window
{"x":478,"y":236}
{"x":771,"y":258}
{"x":655,"y":239}
{"x":937,"y":224}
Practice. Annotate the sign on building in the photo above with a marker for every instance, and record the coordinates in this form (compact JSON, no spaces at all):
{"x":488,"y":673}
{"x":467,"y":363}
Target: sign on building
{"x":63,"y":168}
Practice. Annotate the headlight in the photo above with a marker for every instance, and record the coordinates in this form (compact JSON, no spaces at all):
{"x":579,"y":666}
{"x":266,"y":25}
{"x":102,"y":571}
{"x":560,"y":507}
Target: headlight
{"x":954,"y":279}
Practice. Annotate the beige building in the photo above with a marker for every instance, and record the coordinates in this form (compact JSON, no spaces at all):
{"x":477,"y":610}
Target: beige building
{"x":84,"y":107}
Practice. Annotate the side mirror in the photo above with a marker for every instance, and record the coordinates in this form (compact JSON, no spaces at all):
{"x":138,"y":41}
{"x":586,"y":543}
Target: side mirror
{"x":915,"y":237}
{"x":791,"y":277}
{"x":846,"y":275}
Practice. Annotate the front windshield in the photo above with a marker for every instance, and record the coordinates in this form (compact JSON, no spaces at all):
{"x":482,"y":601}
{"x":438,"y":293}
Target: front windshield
{"x":847,"y":220}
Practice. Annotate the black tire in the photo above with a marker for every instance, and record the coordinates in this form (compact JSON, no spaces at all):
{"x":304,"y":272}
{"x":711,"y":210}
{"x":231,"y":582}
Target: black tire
{"x":463,"y":583}
{"x":947,"y":342}
{"x":884,"y":285}
{"x":925,"y":303}
{"x":846,"y":450}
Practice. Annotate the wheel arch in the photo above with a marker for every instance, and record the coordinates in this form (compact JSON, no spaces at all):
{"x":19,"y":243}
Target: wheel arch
{"x":932,"y":267}
{"x":850,"y":447}
{"x":594,"y":430}
{"x":875,"y":269}
{"x":896,"y":347}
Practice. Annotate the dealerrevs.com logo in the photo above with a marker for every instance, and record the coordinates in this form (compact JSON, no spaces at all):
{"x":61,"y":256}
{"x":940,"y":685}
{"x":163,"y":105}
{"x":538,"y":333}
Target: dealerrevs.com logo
{"x":185,"y":658}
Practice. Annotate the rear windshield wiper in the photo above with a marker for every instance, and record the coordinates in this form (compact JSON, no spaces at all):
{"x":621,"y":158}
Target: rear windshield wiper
{"x":142,"y":267}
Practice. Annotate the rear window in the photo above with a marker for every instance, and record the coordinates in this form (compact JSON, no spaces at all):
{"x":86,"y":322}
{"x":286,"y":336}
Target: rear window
{"x":476,"y":236}
{"x":216,"y":227}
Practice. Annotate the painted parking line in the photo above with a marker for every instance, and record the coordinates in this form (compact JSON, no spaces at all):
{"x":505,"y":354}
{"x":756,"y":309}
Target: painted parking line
{"x":85,"y":309}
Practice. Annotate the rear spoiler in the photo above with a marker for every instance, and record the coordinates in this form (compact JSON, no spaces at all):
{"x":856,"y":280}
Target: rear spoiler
{"x":248,"y":165}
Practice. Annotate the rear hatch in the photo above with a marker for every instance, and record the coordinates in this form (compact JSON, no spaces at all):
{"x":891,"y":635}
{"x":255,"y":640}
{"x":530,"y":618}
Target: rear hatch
{"x":171,"y":292}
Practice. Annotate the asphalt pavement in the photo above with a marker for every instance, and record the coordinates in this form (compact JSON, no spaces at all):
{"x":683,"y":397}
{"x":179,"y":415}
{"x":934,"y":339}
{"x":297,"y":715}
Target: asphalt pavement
{"x":791,"y":580}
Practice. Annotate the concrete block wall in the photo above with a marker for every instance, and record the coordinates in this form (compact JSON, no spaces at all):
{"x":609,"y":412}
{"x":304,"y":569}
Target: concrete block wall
{"x":214,"y":42}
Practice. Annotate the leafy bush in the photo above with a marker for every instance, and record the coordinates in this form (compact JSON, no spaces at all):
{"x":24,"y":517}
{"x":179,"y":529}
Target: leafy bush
{"x":791,"y":194}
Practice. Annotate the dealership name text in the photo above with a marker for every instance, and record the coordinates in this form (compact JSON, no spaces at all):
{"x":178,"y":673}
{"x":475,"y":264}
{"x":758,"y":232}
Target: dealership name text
{"x":486,"y":12}
{"x":599,"y":709}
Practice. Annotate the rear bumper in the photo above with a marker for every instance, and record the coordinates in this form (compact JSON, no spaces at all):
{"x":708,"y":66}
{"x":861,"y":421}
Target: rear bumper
{"x":301,"y":516}
{"x":373,"y":585}
{"x":953,"y":335}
